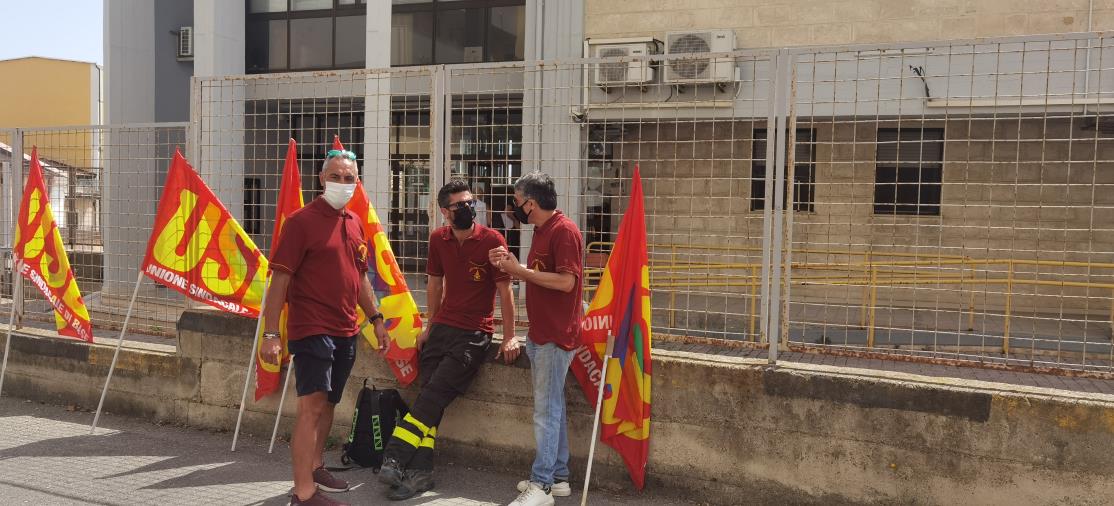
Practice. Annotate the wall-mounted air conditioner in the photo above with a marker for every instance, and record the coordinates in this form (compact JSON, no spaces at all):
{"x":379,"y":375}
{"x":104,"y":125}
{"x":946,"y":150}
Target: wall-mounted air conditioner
{"x":700,"y":70}
{"x":185,"y":43}
{"x":630,"y":73}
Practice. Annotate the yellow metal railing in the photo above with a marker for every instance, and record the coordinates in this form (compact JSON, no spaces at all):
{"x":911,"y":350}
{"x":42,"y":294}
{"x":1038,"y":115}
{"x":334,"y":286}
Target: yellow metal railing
{"x":905,"y":269}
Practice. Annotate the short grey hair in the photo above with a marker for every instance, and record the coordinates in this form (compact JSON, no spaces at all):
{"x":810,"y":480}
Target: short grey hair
{"x":325,"y":164}
{"x":539,"y":187}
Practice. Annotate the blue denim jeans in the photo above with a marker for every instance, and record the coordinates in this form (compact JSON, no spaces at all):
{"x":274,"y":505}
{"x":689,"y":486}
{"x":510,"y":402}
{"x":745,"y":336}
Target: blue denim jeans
{"x":549,"y":365}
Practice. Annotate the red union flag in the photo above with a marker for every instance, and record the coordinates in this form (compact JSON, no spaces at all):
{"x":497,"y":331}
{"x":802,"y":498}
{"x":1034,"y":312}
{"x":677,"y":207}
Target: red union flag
{"x":621,"y":308}
{"x":400,"y":312}
{"x":289,"y":200}
{"x":198,"y":249}
{"x":42,"y":259}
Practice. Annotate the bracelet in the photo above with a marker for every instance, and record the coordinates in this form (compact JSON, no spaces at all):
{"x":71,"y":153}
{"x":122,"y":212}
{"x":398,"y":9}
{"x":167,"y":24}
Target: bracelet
{"x":376,"y":316}
{"x":270,"y":335}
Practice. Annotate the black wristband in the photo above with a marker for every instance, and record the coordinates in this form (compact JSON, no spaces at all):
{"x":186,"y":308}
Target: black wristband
{"x":376,"y":316}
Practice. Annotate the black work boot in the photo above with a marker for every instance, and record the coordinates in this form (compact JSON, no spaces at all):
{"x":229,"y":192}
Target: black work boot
{"x":415,"y":482}
{"x":391,"y":472}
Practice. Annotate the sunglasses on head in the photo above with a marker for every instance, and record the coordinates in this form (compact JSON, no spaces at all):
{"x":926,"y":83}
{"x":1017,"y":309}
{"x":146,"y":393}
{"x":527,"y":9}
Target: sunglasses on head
{"x":340,"y":152}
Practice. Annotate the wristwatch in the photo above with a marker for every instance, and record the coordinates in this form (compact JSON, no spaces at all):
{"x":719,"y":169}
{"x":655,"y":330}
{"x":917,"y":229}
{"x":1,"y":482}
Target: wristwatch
{"x":376,"y":316}
{"x":270,"y":335}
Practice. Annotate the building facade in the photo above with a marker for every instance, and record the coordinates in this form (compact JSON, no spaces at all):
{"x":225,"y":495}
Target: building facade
{"x":970,"y":153}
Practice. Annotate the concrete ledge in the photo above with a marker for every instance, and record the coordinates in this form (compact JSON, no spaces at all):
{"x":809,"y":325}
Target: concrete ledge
{"x":724,"y":428}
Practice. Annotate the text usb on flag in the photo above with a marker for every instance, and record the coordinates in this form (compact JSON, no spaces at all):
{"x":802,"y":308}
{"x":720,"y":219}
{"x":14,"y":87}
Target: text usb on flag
{"x":43,"y":260}
{"x":621,"y":310}
{"x":198,"y":249}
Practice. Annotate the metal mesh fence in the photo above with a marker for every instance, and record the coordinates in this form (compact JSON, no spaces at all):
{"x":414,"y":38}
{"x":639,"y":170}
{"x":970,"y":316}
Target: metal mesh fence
{"x":104,"y":183}
{"x":243,"y":125}
{"x":955,"y":202}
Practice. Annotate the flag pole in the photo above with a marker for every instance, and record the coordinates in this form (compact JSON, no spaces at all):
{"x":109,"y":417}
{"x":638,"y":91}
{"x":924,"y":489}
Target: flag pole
{"x":251,"y":362}
{"x":596,"y":420}
{"x":11,"y":323}
{"x":116,"y":354}
{"x":282,"y":398}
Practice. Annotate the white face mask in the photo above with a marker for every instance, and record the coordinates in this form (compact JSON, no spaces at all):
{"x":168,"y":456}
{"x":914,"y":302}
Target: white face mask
{"x":338,"y":194}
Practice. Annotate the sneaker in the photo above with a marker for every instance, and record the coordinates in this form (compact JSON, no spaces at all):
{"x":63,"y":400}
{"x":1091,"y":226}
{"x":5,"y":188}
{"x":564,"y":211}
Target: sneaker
{"x":415,"y":482}
{"x":534,"y":495}
{"x":390,"y":473}
{"x":317,"y":499}
{"x":327,"y":482}
{"x":560,"y":488}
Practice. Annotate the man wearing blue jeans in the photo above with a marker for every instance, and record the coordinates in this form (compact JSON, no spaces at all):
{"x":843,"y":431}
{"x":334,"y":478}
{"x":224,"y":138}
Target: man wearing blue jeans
{"x":553,"y":304}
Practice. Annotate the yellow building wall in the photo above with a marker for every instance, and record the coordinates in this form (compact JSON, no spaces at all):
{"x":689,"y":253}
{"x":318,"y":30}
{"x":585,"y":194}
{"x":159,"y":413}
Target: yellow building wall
{"x":43,"y":92}
{"x":781,"y":23}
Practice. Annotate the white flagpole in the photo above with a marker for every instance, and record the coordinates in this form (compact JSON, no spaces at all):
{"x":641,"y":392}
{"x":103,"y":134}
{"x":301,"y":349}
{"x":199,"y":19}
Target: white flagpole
{"x":116,"y":354}
{"x":596,"y":420}
{"x":11,"y":323}
{"x":251,"y":363}
{"x":282,"y":399}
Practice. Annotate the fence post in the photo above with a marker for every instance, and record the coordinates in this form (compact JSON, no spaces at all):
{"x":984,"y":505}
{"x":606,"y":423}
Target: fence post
{"x":775,"y":199}
{"x":440,"y":108}
{"x":16,"y":189}
{"x":790,"y":180}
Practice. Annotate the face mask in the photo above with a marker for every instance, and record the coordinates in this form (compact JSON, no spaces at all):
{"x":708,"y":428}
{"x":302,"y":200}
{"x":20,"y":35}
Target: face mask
{"x":464,"y":216}
{"x":337,"y":194}
{"x":520,"y":215}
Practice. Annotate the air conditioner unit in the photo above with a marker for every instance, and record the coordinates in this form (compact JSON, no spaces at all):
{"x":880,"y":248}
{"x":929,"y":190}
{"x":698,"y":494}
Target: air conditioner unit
{"x":623,"y":73}
{"x":700,"y":70}
{"x":185,"y":43}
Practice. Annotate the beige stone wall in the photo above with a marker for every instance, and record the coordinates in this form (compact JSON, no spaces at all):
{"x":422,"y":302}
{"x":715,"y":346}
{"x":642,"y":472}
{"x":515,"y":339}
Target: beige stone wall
{"x":777,"y":23}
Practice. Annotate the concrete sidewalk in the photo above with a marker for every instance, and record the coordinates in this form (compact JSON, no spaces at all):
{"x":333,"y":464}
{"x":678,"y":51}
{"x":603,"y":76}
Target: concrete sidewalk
{"x":48,"y":457}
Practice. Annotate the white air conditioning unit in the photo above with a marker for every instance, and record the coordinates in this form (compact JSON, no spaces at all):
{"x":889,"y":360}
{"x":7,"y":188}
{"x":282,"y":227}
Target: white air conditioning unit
{"x":700,"y":70}
{"x":628,"y":73}
{"x":185,"y":43}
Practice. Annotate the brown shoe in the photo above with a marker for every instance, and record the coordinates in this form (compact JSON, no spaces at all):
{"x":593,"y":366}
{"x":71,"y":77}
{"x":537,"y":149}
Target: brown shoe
{"x":327,"y":482}
{"x":317,"y":499}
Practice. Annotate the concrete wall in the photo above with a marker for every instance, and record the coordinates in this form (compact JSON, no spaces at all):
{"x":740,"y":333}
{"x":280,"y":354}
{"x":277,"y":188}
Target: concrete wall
{"x":775,"y":23}
{"x":725,"y":430}
{"x":129,"y":56}
{"x":172,"y":77}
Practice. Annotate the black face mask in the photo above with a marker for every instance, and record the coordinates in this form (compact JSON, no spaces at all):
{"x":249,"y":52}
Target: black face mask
{"x":464,"y":215}
{"x":520,"y":215}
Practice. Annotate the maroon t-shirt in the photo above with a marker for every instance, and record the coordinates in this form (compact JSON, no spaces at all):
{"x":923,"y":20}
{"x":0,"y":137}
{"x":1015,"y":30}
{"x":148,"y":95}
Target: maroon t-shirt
{"x":469,"y":301}
{"x":555,"y":315}
{"x":324,"y":251}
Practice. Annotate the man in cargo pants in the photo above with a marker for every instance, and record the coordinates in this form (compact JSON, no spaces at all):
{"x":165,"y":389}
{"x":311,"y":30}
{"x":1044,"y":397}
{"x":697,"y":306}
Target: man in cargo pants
{"x":461,"y":290}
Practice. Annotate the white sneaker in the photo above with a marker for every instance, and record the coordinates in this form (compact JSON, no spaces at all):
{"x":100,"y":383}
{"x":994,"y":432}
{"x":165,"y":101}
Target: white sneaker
{"x":533,"y":496}
{"x":559,"y":489}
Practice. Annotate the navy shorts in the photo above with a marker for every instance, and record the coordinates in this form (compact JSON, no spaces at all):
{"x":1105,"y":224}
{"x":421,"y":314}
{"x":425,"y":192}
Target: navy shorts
{"x":322,"y":364}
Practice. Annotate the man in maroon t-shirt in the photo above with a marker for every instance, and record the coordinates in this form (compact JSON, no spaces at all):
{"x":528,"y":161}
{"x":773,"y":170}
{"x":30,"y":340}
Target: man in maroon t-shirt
{"x":318,"y":269}
{"x":554,"y":305}
{"x":461,"y":292}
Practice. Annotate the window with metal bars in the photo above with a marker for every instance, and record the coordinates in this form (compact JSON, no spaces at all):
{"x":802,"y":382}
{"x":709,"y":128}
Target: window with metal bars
{"x":909,"y":171}
{"x":804,"y":172}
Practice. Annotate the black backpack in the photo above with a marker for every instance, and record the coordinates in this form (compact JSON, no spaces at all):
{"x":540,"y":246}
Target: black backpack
{"x":374,"y":420}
